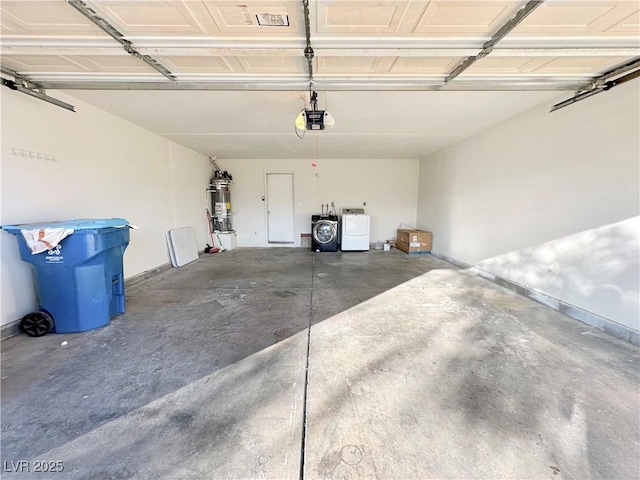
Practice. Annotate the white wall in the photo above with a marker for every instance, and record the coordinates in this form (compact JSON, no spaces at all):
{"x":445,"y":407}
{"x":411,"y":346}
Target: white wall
{"x":549,"y":201}
{"x":389,"y":187}
{"x":104,"y":167}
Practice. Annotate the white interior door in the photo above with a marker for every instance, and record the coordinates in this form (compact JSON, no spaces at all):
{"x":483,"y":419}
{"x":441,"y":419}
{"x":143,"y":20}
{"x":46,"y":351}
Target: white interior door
{"x":280,"y":207}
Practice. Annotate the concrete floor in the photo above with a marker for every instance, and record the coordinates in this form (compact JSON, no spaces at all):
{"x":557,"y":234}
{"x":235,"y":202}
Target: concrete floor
{"x":416,"y":370}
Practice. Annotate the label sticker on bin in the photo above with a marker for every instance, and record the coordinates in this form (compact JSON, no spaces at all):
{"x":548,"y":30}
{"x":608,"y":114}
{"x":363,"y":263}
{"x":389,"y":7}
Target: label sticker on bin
{"x":55,"y":255}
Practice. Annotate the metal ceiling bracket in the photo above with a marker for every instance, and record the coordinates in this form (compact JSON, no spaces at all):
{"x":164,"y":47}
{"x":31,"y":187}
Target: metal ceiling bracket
{"x":19,"y":78}
{"x":598,"y":89}
{"x":602,"y":79}
{"x":35,"y":92}
{"x":499,"y":35}
{"x":24,"y":85}
{"x":110,"y":30}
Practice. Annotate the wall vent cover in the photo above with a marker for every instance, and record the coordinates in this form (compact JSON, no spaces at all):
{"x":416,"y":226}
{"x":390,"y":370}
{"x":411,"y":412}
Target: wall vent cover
{"x":272,"y":20}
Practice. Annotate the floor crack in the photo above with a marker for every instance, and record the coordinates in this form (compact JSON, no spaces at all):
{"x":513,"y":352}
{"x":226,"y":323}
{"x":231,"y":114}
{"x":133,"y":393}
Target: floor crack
{"x":306,"y":376}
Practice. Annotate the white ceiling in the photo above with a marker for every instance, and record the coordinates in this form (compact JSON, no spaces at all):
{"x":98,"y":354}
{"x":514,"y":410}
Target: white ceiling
{"x":380,"y":67}
{"x":254,"y":124}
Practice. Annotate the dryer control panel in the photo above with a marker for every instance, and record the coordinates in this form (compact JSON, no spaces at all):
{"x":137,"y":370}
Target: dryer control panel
{"x":353,"y":211}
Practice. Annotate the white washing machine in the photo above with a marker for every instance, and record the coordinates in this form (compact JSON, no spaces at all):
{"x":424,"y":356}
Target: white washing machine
{"x":355,"y":227}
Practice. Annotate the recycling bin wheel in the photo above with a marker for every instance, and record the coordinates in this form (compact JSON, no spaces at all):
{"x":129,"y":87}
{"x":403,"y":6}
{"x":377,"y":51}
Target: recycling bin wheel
{"x":36,"y":324}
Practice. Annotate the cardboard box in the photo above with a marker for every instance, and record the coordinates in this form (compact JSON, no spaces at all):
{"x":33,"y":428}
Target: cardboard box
{"x":413,"y":241}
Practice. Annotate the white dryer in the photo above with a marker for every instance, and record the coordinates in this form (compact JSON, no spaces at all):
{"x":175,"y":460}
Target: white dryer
{"x":355,"y":230}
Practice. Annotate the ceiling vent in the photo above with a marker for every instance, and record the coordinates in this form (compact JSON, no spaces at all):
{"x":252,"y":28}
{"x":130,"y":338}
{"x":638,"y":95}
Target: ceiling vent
{"x":272,"y":20}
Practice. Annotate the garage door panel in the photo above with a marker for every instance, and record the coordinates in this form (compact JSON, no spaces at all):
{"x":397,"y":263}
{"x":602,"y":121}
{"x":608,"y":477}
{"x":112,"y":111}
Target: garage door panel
{"x":44,"y":18}
{"x":149,"y":17}
{"x":628,"y":25}
{"x":544,"y":65}
{"x":198,"y":64}
{"x":344,"y":65}
{"x":256,"y":18}
{"x":360,"y":16}
{"x":75,"y":63}
{"x":116,"y":64}
{"x":589,"y":65}
{"x":40,"y":63}
{"x":581,"y":18}
{"x":432,"y":65}
{"x":265,"y":64}
{"x":452,"y":18}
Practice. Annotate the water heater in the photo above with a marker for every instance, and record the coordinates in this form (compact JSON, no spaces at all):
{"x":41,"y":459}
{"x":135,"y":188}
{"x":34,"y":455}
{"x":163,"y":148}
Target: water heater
{"x":220,"y":205}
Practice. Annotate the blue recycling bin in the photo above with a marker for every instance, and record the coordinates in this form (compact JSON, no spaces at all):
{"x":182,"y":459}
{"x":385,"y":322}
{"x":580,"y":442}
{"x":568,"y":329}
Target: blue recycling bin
{"x":79,"y":283}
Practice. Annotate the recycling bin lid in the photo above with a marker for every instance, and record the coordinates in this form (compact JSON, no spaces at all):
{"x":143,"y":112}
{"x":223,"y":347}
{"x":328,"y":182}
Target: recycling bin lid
{"x":84,"y":225}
